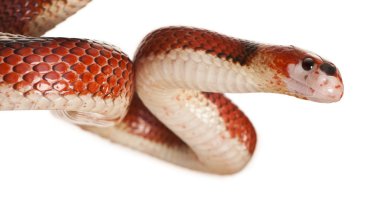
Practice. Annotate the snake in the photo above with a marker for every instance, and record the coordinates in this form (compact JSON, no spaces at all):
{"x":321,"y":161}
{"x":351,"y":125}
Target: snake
{"x":168,"y":100}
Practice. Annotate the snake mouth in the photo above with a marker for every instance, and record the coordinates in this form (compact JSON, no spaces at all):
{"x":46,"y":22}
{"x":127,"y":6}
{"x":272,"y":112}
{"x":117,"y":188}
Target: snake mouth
{"x":327,"y":93}
{"x":326,"y":89}
{"x":324,"y":98}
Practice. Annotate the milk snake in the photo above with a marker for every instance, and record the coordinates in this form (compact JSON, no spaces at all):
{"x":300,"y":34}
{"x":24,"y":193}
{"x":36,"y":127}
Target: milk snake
{"x":178,"y":112}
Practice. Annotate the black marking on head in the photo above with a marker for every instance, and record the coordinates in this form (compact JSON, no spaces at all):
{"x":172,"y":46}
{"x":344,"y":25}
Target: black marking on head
{"x":328,"y":68}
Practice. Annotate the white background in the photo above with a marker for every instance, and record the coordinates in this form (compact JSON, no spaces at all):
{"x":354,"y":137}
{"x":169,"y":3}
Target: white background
{"x":308,"y":154}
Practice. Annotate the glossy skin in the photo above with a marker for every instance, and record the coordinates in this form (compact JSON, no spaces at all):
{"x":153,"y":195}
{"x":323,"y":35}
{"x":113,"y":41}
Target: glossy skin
{"x":65,"y":74}
{"x":64,"y":65}
{"x":283,"y":64}
{"x":179,"y":73}
{"x":35,"y":17}
{"x":177,"y":60}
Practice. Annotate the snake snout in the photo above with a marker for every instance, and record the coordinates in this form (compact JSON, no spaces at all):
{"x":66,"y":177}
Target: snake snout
{"x":327,"y":87}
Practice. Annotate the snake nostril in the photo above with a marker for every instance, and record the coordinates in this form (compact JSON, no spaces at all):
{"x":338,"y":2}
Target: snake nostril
{"x":328,"y":68}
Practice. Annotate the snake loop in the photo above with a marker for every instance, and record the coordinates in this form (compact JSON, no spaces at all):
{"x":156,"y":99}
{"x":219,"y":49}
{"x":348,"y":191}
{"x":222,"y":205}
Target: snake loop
{"x":179,"y":74}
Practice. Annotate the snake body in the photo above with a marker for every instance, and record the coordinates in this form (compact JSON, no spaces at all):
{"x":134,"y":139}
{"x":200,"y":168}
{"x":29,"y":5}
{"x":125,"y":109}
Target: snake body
{"x":179,"y":113}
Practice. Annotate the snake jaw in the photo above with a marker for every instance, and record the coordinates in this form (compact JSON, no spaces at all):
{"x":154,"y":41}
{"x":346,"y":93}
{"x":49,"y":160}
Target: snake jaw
{"x":314,"y":85}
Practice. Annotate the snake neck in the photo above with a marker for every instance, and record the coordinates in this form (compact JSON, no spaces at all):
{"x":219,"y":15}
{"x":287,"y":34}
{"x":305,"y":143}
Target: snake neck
{"x":268,"y":67}
{"x":197,"y":59}
{"x":197,"y":70}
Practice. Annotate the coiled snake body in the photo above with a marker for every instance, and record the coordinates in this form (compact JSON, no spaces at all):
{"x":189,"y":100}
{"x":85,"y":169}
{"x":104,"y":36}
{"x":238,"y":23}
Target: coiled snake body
{"x":179,"y":113}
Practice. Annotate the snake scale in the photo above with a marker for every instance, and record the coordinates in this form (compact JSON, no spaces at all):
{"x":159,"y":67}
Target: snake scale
{"x":167,"y":102}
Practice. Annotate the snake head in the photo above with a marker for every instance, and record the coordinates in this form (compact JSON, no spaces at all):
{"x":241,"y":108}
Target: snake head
{"x":314,"y":78}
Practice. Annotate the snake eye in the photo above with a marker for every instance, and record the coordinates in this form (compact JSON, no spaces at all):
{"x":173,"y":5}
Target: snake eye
{"x":307,"y":64}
